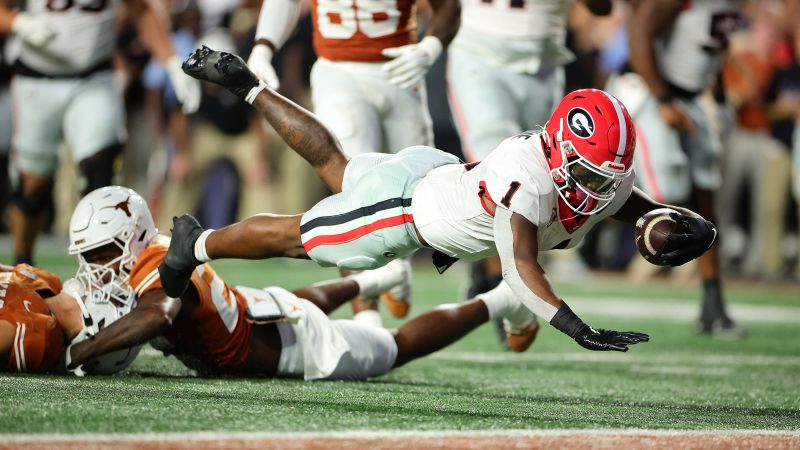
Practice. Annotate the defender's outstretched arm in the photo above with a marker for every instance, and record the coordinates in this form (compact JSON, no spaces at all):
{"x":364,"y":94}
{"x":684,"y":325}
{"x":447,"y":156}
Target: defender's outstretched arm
{"x":152,"y":316}
{"x":298,"y":127}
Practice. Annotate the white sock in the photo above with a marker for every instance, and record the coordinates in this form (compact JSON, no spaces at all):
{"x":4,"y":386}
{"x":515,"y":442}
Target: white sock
{"x":372,"y":283}
{"x":369,"y":317}
{"x":500,"y":301}
{"x":200,"y":246}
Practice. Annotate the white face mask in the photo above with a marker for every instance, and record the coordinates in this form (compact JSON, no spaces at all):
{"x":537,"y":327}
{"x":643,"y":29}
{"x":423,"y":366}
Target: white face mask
{"x":584,"y":188}
{"x":102,"y":284}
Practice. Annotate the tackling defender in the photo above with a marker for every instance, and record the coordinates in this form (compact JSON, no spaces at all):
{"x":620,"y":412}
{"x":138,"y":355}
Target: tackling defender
{"x":63,"y":90}
{"x":536,"y":191}
{"x":219,"y":329}
{"x":36,"y":319}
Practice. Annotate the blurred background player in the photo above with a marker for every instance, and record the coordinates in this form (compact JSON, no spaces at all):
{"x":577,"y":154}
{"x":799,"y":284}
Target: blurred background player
{"x":505,"y":76}
{"x":368,"y":83}
{"x":218,"y":329}
{"x":676,"y":50}
{"x":64,"y":91}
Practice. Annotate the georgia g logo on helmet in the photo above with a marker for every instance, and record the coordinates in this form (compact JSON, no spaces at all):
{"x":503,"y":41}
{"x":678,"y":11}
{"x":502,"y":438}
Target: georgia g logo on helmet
{"x":580,"y":122}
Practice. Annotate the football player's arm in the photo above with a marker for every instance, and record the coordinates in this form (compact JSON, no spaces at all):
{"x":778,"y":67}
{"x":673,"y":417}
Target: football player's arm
{"x":639,"y":204}
{"x":445,"y":20}
{"x":276,"y":21}
{"x":517,"y":244}
{"x":649,"y":18}
{"x":6,"y":17}
{"x":598,"y":7}
{"x":152,"y":23}
{"x":697,"y":235}
{"x":152,"y":316}
{"x":298,"y":127}
{"x":7,"y":332}
{"x":153,"y":27}
{"x":67,"y":313}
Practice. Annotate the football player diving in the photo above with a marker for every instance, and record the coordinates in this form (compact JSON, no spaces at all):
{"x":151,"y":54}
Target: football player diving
{"x":536,"y":191}
{"x":217,"y":329}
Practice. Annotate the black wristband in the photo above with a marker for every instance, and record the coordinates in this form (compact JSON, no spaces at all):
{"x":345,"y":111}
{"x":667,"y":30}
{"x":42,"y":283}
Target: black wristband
{"x":567,"y":322}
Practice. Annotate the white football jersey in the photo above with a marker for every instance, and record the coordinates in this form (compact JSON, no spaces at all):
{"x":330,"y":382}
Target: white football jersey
{"x":450,"y":215}
{"x":520,"y":35}
{"x":85,"y":35}
{"x":689,"y":52}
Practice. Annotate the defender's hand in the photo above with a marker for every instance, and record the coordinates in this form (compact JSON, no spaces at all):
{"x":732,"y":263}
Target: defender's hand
{"x":411,"y":62}
{"x":34,"y":30}
{"x":605,"y":340}
{"x":697,"y":236}
{"x":225,"y":69}
{"x":260,"y":62}
{"x":187,"y":89}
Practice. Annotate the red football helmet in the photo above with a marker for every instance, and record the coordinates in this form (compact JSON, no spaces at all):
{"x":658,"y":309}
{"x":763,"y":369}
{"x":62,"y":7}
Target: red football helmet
{"x":589,"y":142}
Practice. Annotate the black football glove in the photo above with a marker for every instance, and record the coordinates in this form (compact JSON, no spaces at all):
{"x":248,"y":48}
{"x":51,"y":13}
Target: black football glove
{"x":696,"y":236}
{"x":222,"y":68}
{"x":598,"y":340}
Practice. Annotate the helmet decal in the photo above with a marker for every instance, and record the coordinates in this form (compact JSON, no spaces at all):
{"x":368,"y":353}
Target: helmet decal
{"x":580,"y":122}
{"x":124,"y":206}
{"x":589,"y":153}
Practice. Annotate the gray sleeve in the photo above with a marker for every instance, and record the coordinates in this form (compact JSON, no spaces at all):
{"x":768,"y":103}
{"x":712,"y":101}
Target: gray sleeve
{"x":504,"y":240}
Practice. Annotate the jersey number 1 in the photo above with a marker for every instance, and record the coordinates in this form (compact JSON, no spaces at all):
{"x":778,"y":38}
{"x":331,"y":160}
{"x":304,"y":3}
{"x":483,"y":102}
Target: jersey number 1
{"x":512,"y":189}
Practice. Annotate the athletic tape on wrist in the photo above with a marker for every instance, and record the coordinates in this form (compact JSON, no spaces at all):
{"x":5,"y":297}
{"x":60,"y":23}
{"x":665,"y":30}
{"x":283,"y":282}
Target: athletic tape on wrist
{"x":200,"y":251}
{"x":251,"y":96}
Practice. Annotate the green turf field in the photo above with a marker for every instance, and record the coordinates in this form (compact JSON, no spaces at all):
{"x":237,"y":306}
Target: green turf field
{"x":678,"y":380}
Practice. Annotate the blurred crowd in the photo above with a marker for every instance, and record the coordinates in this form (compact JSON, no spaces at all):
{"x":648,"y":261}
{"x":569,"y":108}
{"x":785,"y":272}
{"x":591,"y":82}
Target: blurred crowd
{"x":224,"y":163}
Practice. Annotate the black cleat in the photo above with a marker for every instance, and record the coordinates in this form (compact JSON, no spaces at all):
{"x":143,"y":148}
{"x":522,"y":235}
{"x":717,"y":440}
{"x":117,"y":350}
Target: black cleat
{"x":224,"y":69}
{"x":176,"y":269}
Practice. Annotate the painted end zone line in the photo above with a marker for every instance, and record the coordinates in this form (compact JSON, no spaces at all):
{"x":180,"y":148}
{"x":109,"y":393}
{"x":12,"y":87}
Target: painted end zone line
{"x":362,"y":440}
{"x":370,"y":434}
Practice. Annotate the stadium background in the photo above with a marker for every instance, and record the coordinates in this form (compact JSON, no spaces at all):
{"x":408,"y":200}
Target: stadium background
{"x":225,"y":155}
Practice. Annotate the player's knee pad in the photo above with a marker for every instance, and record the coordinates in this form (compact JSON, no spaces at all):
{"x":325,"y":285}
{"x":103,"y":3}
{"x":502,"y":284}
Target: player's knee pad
{"x":98,"y":169}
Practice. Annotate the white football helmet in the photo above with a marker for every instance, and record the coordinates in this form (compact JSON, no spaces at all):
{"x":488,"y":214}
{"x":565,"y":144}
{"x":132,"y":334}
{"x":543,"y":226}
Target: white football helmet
{"x":110,"y":215}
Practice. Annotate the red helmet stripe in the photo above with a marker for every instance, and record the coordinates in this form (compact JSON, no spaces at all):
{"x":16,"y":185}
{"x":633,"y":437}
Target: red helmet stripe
{"x":623,"y":128}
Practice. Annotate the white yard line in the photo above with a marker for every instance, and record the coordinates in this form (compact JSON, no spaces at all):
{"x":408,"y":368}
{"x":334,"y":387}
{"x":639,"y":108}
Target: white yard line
{"x":706,"y":359}
{"x":678,"y":310}
{"x":369,"y":434}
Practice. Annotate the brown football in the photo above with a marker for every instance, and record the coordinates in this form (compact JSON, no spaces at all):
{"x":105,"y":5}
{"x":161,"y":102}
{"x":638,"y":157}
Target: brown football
{"x":652,"y":230}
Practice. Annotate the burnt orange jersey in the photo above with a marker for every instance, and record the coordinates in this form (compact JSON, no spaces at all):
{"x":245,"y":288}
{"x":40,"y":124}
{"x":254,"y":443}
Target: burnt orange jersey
{"x":38,"y":338}
{"x":212,"y":332}
{"x":358,"y":30}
